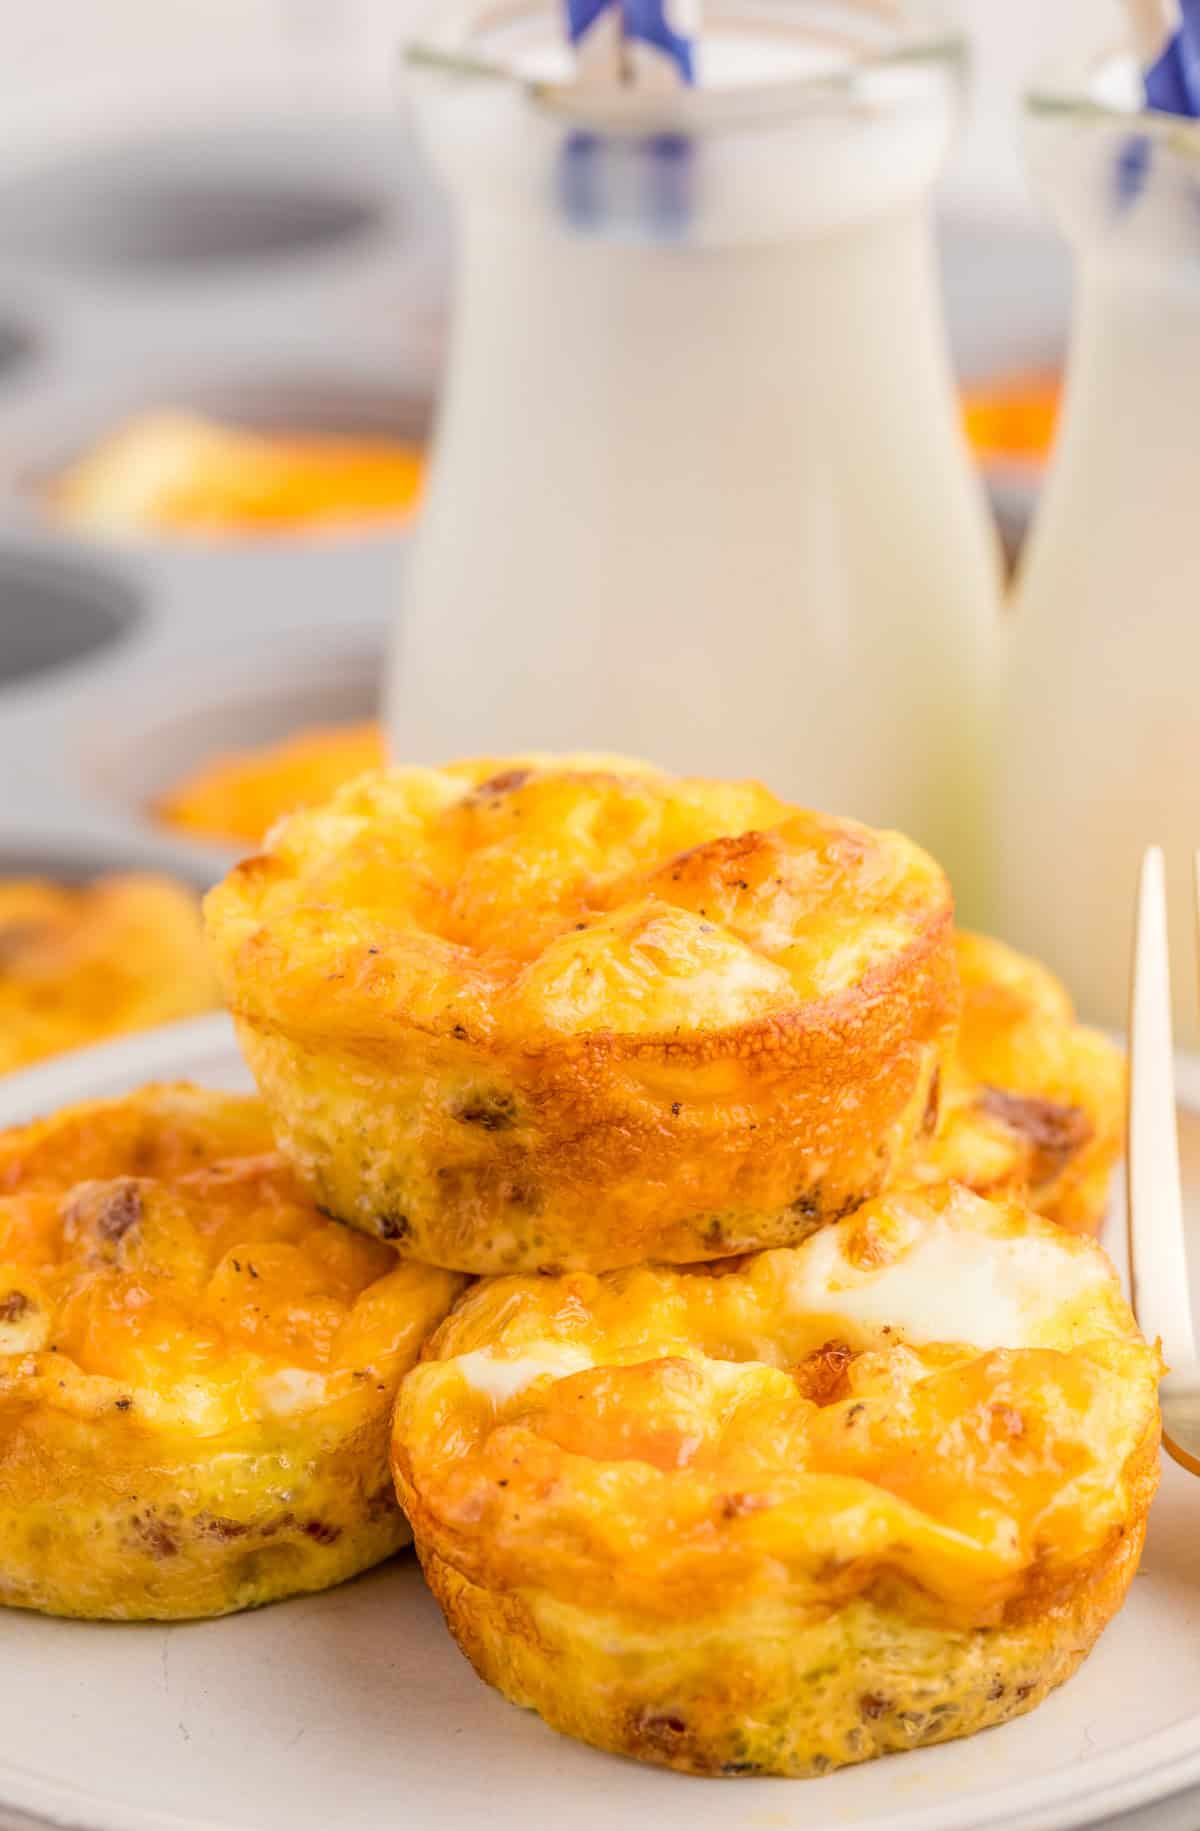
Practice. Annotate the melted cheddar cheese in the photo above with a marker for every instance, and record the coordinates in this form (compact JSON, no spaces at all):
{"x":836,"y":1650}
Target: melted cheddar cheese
{"x":185,"y":1340}
{"x":178,"y":473}
{"x":80,"y":964}
{"x":1033,"y":1102}
{"x":585,"y":978}
{"x":238,"y":798}
{"x":700,"y":1515}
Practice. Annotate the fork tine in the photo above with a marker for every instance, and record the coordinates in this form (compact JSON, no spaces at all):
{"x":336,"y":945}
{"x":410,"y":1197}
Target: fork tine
{"x":1157,"y":1259}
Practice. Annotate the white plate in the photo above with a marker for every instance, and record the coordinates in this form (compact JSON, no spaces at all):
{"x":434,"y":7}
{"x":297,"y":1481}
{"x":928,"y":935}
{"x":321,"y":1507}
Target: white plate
{"x":352,"y":1711}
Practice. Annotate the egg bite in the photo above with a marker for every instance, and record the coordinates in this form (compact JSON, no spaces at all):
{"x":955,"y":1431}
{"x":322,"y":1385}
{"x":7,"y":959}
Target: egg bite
{"x":581,"y":1013}
{"x":81,"y":963}
{"x":180,"y":474}
{"x":197,"y":1369}
{"x":1033,"y":1102}
{"x":236,"y":798}
{"x":826,"y":1502}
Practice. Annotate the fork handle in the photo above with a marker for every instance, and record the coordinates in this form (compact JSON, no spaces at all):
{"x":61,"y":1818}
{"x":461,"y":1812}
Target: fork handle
{"x":1157,"y":1259}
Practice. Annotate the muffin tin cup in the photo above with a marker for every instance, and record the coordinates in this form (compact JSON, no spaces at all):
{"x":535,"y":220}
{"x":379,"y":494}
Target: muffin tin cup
{"x":286,"y":275}
{"x":91,"y":756}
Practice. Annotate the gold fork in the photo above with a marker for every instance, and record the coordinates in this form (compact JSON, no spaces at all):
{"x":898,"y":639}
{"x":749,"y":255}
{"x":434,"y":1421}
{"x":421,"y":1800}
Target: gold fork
{"x":1157,"y":1247}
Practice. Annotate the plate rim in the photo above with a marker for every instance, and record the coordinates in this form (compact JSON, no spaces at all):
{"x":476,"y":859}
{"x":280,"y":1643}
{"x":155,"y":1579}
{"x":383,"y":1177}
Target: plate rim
{"x":1073,"y":1797}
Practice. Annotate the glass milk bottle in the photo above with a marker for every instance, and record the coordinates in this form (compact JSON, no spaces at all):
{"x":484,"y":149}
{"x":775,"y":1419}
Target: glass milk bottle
{"x":1101,"y":740}
{"x":699,"y":491}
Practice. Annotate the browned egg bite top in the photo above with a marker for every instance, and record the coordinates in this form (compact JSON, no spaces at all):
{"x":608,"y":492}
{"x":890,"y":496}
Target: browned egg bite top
{"x":578,"y":1011}
{"x":197,"y":1369}
{"x":794,"y":1510}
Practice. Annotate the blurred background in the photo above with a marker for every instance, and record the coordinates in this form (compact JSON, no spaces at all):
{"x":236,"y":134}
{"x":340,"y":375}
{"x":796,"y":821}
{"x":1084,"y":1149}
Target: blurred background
{"x":81,"y":85}
{"x":224,"y":279}
{"x":148,"y":144}
{"x":74,"y":73}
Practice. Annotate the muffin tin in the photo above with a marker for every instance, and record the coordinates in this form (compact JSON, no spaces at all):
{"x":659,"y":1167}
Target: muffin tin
{"x":288,"y":274}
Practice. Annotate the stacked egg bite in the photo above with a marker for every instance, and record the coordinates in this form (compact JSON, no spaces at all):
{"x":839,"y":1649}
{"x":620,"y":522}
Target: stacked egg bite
{"x":775,"y":1429}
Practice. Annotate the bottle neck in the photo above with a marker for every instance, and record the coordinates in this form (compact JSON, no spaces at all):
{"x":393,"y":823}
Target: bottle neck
{"x":819,"y":174}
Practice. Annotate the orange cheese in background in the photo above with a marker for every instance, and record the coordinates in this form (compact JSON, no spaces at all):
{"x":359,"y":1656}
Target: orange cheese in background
{"x":238,"y":797}
{"x":1013,"y":419}
{"x":82,"y":963}
{"x":180,"y":473}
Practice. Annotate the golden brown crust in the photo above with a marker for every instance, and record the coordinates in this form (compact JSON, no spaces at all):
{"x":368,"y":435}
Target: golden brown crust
{"x":238,"y":797}
{"x":582,"y":1013}
{"x":1033,"y":1103}
{"x":197,"y":1369}
{"x":882,"y":1488}
{"x":81,"y":964}
{"x":799,"y":1704}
